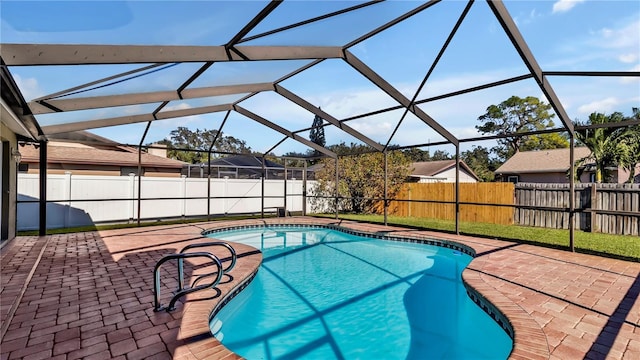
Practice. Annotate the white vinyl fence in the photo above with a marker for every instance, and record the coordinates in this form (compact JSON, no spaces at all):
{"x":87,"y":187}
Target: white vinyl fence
{"x":77,"y":200}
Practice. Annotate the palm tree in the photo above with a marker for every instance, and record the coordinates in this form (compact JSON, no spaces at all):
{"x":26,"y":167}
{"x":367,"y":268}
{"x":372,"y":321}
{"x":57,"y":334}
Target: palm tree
{"x":632,"y":159}
{"x":610,"y":146}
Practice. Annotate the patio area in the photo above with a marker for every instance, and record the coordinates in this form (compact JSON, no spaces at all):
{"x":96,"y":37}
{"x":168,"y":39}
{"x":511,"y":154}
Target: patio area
{"x":90,"y":295}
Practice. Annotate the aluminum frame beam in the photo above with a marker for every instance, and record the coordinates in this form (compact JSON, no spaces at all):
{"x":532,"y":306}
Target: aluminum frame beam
{"x":512,"y":31}
{"x":283,"y":131}
{"x":97,"y":102}
{"x":317,"y":111}
{"x":124,"y":120}
{"x":435,"y":62}
{"x":64,"y":54}
{"x":95,"y":82}
{"x":376,"y":79}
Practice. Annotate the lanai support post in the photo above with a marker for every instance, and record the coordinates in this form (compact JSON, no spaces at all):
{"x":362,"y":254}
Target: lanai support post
{"x":144,"y":135}
{"x":209,"y":185}
{"x":572,"y":192}
{"x":457,"y":189}
{"x":139,"y":200}
{"x":336,"y":190}
{"x":264,"y":173}
{"x":285,"y":187}
{"x":304,"y":189}
{"x":386,"y":188}
{"x":213,"y":142}
{"x":42,"y":226}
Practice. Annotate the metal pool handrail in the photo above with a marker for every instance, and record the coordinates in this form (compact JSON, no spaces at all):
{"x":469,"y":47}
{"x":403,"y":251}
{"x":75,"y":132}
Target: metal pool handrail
{"x":207,"y":244}
{"x":181,"y":292}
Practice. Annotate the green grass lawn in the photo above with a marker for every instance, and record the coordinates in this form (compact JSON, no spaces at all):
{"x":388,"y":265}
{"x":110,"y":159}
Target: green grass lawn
{"x":617,"y":246}
{"x":142,"y":224}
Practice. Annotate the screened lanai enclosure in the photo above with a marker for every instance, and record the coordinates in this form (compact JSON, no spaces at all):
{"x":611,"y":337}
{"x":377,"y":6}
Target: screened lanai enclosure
{"x":387,"y":75}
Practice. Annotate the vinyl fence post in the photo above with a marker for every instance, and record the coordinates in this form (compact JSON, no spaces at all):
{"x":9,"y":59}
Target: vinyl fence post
{"x":132,"y":195}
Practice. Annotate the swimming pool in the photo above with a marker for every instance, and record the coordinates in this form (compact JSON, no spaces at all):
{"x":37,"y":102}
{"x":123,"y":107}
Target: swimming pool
{"x":321,"y":293}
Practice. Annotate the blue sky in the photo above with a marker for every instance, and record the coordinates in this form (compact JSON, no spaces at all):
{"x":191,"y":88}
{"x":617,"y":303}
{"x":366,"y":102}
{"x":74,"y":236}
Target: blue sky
{"x":563,"y":35}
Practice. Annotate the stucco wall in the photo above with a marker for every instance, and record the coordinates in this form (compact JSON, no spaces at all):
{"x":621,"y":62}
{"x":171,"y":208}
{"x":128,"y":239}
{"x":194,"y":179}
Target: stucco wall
{"x":8,"y":136}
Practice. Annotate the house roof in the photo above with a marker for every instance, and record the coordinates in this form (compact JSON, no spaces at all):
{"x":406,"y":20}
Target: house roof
{"x":83,"y":137}
{"x":432,"y":168}
{"x":244,"y":161}
{"x":541,"y":161}
{"x":118,"y":156}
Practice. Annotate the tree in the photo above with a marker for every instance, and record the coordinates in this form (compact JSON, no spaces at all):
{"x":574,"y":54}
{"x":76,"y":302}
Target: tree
{"x":480,"y":161}
{"x":545,"y":141}
{"x":441,"y":155}
{"x":361,"y":177}
{"x":317,"y":133}
{"x":416,"y":154}
{"x":610,"y":146}
{"x":633,"y":158}
{"x":518,"y":115}
{"x":184,"y":138}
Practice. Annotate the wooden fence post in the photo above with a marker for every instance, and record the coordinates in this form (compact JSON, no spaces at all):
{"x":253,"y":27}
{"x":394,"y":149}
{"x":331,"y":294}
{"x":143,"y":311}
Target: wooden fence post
{"x":594,"y":207}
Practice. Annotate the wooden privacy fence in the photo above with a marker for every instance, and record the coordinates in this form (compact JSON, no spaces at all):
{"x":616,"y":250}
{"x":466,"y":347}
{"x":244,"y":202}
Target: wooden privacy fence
{"x":427,"y":201}
{"x":606,"y":208}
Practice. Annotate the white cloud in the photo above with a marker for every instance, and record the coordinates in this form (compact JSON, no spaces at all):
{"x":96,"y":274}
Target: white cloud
{"x":29,"y":87}
{"x":382,"y":128}
{"x":625,"y":37}
{"x":524,"y":19}
{"x":179,"y":106}
{"x":630,"y":79}
{"x":565,"y":5}
{"x":628,"y":58}
{"x":603,"y":106}
{"x":465,"y":132}
{"x":181,"y":121}
{"x":619,"y":42}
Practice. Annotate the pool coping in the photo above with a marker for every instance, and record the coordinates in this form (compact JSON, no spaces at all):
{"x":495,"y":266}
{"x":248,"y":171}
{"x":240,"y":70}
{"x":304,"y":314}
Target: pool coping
{"x":529,"y":340}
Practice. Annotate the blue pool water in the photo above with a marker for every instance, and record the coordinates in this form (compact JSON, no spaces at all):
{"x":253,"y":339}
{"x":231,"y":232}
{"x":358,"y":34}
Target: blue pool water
{"x":325,"y":294}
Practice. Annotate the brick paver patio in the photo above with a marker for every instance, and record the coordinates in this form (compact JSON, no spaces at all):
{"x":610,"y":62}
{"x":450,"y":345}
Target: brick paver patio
{"x":90,"y":295}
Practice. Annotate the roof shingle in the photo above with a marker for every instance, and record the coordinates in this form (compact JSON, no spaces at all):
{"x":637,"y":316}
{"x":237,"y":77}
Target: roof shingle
{"x":86,"y":155}
{"x":541,"y":161}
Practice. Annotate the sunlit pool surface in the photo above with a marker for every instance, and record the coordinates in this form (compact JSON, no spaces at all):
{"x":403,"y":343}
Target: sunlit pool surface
{"x":325,"y":294}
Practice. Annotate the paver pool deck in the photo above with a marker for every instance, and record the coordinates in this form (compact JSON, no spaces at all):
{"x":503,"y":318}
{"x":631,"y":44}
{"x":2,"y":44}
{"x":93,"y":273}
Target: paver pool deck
{"x":90,"y":295}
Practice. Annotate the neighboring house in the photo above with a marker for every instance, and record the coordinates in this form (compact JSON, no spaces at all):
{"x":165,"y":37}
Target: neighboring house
{"x":235,"y":167}
{"x":441,"y":171}
{"x":241,"y":167}
{"x":97,"y":156}
{"x":551,"y":166}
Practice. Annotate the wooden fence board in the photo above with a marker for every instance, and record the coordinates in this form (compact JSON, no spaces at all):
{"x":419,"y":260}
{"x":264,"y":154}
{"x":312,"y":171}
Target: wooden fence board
{"x":482,"y":193}
{"x":527,"y":199}
{"x":607,"y":197}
